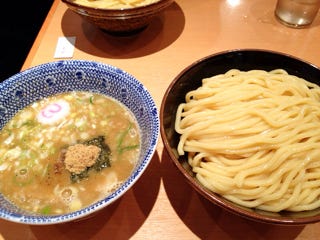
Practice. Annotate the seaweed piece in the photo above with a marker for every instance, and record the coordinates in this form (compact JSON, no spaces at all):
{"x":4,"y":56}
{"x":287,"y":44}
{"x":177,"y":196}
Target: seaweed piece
{"x":103,"y":161}
{"x":77,"y":177}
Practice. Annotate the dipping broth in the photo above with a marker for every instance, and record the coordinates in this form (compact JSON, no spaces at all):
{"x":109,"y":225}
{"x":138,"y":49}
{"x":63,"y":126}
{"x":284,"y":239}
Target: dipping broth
{"x":32,"y":172}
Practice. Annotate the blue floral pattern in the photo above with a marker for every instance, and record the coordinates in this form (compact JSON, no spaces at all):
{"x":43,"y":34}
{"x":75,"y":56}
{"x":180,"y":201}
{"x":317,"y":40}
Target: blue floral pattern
{"x":52,"y":78}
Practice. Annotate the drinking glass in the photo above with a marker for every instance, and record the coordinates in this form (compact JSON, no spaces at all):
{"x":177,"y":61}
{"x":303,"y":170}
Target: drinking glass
{"x":297,"y":13}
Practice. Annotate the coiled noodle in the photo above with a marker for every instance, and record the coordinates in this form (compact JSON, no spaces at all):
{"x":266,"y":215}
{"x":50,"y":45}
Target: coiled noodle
{"x":254,"y":138}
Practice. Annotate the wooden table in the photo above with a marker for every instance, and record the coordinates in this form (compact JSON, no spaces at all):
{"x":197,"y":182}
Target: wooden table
{"x":162,"y":205}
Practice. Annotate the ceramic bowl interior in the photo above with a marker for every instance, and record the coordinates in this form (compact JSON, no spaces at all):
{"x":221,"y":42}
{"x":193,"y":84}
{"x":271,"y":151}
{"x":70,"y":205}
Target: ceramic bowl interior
{"x":190,"y":79}
{"x":120,"y":21}
{"x":48,"y":79}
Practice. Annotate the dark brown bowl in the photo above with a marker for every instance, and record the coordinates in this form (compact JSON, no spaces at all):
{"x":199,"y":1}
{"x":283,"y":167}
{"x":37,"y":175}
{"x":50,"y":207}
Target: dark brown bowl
{"x":120,"y":21}
{"x":190,"y":78}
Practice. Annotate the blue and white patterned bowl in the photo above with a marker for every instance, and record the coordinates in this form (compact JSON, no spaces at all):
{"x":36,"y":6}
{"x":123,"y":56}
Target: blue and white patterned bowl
{"x":48,"y":79}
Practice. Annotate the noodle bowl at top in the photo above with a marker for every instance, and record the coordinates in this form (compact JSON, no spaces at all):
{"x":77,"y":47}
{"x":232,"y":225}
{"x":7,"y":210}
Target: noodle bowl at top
{"x":114,"y":4}
{"x":253,"y":137}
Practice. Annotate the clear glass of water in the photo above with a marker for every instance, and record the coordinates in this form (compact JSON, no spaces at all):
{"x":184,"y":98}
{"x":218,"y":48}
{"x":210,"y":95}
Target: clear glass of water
{"x":297,"y":13}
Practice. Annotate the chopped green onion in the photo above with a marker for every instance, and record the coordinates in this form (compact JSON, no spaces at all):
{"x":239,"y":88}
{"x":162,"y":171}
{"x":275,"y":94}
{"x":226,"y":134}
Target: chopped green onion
{"x":121,"y":138}
{"x":127,"y":148}
{"x":46,"y":210}
{"x":29,"y":123}
{"x":91,"y":99}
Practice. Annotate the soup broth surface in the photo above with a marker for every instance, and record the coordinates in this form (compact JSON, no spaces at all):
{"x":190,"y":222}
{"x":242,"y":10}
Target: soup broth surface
{"x":32,"y":142}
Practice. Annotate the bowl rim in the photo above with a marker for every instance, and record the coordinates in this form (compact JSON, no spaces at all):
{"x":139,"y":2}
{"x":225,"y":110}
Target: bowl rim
{"x":33,"y":219}
{"x":213,"y":197}
{"x":123,"y":12}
